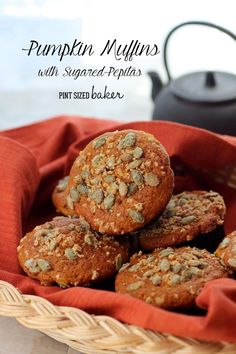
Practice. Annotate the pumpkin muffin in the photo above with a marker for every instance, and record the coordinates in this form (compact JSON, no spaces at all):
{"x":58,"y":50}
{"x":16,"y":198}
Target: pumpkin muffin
{"x":169,"y":278}
{"x":67,"y":252}
{"x":120,"y":181}
{"x":188,"y":215}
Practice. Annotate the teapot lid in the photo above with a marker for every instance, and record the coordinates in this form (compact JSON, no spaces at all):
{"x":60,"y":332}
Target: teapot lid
{"x":206,"y":87}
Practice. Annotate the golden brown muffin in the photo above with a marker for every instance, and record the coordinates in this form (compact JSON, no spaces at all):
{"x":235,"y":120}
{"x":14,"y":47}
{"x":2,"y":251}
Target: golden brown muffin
{"x":169,"y":278}
{"x":120,"y":181}
{"x":187,"y":215}
{"x":226,"y":251}
{"x":59,"y":198}
{"x":67,"y":252}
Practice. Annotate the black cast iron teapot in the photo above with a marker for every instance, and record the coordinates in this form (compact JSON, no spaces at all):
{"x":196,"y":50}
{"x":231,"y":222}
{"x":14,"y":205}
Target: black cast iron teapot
{"x":202,"y":99}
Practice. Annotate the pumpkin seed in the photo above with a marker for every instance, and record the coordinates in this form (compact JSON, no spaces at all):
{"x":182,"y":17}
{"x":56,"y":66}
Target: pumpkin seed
{"x":74,"y":194}
{"x":188,"y":219}
{"x":126,"y":157}
{"x":136,"y":216}
{"x":110,"y":162}
{"x":97,"y":196}
{"x":134,"y":286}
{"x":109,"y":201}
{"x":166,"y":252}
{"x":182,"y":201}
{"x":32,"y":265}
{"x":83,"y":189}
{"x":138,"y":152}
{"x":96,"y":160}
{"x":85,"y":174}
{"x":195,"y":270}
{"x":43,"y":265}
{"x":156,"y":279}
{"x":99,"y":142}
{"x":109,"y":179}
{"x":71,"y":254}
{"x":134,"y":164}
{"x":128,"y":141}
{"x":89,"y":239}
{"x":123,"y":189}
{"x":176,"y":267}
{"x":175,"y":279}
{"x":132,"y":188}
{"x":137,"y":178}
{"x":151,"y":179}
{"x":112,"y":188}
{"x":70,"y":202}
{"x":171,"y":204}
{"x":164,"y":265}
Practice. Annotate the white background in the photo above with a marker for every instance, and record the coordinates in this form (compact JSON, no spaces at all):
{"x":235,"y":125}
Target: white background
{"x":25,"y":98}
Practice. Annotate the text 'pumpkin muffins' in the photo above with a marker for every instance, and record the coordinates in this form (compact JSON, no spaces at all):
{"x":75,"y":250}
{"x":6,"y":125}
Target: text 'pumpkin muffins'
{"x":67,"y":252}
{"x":187,"y":215}
{"x":169,"y":278}
{"x":120,"y":181}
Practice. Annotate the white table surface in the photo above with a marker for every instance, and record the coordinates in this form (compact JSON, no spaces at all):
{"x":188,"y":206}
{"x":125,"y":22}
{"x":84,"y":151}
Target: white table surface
{"x":16,"y":339}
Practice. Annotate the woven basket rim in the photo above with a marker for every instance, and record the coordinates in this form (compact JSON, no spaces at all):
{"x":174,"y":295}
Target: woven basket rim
{"x":96,"y":334}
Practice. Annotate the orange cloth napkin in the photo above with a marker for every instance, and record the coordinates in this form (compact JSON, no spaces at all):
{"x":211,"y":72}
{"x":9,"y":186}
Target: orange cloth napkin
{"x":34,"y":157}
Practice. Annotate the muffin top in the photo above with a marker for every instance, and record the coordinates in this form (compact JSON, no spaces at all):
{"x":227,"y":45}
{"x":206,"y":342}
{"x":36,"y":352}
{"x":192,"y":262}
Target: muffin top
{"x":68,"y":252}
{"x":186,"y":216}
{"x":120,"y":181}
{"x":169,"y":278}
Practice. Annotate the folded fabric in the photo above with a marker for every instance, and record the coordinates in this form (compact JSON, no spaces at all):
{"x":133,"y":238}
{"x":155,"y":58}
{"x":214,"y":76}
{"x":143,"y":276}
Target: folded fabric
{"x":34,"y":157}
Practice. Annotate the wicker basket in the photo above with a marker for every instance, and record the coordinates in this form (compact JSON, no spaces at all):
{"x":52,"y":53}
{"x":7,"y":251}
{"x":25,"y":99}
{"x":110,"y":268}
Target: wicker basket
{"x":103,"y":334}
{"x":96,"y":334}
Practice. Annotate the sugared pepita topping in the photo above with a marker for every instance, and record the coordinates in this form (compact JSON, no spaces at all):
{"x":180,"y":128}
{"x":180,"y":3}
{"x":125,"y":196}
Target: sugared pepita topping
{"x":168,"y":276}
{"x":119,"y":172}
{"x":187,"y":207}
{"x":167,"y":267}
{"x":52,"y":250}
{"x":187,"y":215}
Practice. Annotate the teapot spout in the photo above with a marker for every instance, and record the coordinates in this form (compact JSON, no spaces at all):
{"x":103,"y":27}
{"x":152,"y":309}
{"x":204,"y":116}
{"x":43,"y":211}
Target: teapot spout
{"x":156,"y":84}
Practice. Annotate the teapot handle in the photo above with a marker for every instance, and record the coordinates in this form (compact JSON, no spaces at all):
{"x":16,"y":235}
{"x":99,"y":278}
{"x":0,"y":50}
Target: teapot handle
{"x":202,"y":23}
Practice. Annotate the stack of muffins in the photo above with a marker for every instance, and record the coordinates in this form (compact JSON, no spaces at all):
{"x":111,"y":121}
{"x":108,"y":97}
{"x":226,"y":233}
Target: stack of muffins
{"x":121,"y":220}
